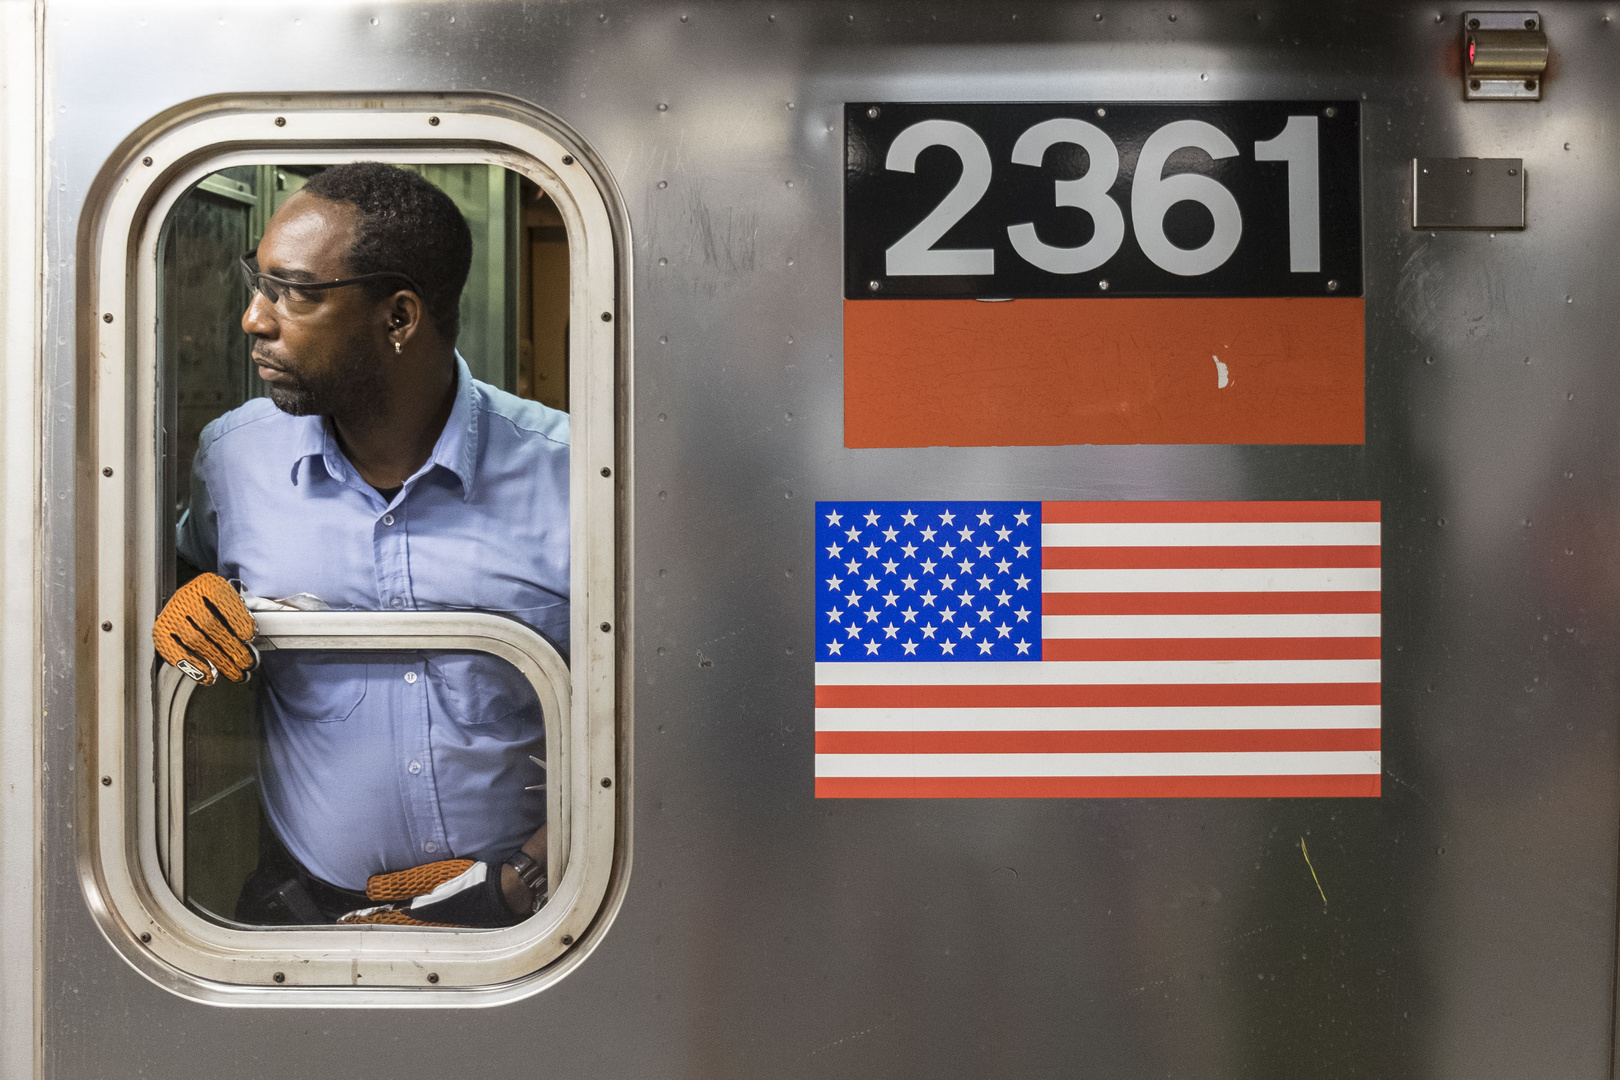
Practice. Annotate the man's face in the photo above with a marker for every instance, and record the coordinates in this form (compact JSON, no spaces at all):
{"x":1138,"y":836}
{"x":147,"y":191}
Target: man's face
{"x":320,"y":355}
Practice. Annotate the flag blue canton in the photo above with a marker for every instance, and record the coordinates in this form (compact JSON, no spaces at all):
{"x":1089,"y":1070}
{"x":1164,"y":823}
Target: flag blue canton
{"x":929,"y":581}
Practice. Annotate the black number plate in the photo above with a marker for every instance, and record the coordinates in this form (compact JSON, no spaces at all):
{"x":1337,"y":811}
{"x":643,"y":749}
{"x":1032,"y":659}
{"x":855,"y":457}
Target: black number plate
{"x":1013,"y":200}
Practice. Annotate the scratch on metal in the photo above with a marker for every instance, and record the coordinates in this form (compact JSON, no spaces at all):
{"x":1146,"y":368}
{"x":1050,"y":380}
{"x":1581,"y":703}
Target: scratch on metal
{"x":1312,"y":869}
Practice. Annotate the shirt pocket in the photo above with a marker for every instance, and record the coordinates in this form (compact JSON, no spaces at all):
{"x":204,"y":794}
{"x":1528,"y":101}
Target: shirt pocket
{"x":478,"y":690}
{"x":315,"y":687}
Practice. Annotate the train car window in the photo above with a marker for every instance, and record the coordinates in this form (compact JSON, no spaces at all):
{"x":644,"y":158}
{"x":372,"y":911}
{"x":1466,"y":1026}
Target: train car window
{"x":379,"y":728}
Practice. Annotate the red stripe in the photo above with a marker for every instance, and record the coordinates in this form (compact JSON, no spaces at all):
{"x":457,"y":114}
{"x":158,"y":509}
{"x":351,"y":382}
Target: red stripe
{"x":1210,"y":603}
{"x":1087,"y":696}
{"x":1154,"y":558}
{"x":1208,"y":511}
{"x":1098,"y":787}
{"x":1096,"y":742}
{"x":1300,"y":648}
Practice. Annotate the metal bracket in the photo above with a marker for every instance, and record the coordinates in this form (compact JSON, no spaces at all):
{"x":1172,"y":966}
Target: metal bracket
{"x":1504,"y":55}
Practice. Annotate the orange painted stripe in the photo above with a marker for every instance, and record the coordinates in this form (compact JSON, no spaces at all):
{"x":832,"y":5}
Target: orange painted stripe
{"x":1095,"y":742}
{"x":1157,"y":512}
{"x":1045,"y":372}
{"x":1211,"y":603}
{"x":1292,"y":648}
{"x":1099,"y":787}
{"x":1153,"y":558}
{"x":1091,"y":695}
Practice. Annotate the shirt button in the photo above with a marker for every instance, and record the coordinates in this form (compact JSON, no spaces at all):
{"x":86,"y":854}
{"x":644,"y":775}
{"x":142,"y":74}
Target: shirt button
{"x":388,"y":519}
{"x":414,"y":767}
{"x":410,"y":676}
{"x":430,"y":847}
{"x":396,"y":602}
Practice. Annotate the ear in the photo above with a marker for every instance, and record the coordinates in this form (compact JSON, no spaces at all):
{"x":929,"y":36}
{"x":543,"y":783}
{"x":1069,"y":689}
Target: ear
{"x":403,"y":315}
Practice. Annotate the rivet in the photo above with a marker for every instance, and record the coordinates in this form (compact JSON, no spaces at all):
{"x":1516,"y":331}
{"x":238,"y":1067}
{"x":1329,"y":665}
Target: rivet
{"x":568,"y":939}
{"x":107,"y":471}
{"x":433,"y":976}
{"x":281,"y":121}
{"x":873,"y":112}
{"x":1101,"y":111}
{"x":1473,"y":24}
{"x":146,"y":161}
{"x":1330,"y":112}
{"x":1332,"y":285}
{"x":106,"y":781}
{"x":607,"y":627}
{"x":606,"y":782}
{"x":1529,"y":84}
{"x":568,"y":159}
{"x":433,"y":121}
{"x":607,"y":316}
{"x":106,"y":626}
{"x":663,"y":107}
{"x":874,"y":286}
{"x":107,"y":317}
{"x":1103,"y":284}
{"x":280,"y":976}
{"x":1473,"y":84}
{"x":146,"y":939}
{"x":606,"y":471}
{"x":684,"y":18}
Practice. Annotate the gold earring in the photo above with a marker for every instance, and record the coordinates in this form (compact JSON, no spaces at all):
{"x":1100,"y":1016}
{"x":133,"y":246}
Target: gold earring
{"x":398,"y":348}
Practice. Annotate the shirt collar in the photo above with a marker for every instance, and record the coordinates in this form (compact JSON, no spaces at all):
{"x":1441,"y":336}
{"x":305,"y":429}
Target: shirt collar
{"x":456,"y":450}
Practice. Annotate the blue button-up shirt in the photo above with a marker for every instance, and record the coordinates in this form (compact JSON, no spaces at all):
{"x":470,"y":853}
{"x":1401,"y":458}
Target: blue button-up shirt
{"x":372,"y":761}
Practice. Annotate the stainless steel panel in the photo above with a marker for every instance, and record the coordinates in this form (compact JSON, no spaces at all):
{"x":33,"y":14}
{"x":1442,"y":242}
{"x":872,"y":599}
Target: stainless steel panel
{"x":1467,"y":193}
{"x":1469,"y":923}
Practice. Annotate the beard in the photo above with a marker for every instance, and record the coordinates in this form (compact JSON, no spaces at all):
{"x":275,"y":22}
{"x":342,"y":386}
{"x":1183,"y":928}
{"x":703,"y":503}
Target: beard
{"x":351,"y":389}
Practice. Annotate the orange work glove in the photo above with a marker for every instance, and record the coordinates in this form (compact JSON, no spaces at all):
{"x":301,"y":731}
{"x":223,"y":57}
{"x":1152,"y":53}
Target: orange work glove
{"x":451,"y":892}
{"x":205,"y":630}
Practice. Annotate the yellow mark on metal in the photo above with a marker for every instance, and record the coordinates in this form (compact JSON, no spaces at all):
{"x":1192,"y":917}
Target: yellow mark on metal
{"x":1312,"y":869}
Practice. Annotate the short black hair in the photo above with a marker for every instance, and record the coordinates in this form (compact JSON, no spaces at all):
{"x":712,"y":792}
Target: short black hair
{"x":405,"y":224}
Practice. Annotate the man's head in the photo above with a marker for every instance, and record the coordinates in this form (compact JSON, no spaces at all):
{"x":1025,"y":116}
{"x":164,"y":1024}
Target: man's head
{"x":331,"y":351}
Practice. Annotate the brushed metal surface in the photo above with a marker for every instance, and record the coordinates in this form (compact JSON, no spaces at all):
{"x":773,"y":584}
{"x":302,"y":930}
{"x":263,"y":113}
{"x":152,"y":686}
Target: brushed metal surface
{"x":1469,"y":929}
{"x":1467,"y":193}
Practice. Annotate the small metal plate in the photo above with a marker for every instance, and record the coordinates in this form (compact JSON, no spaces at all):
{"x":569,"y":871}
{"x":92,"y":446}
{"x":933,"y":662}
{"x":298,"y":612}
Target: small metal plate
{"x":1485,"y":88}
{"x":1467,"y":193}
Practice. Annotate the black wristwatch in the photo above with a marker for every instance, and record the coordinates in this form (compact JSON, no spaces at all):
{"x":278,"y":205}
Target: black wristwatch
{"x":532,"y":874}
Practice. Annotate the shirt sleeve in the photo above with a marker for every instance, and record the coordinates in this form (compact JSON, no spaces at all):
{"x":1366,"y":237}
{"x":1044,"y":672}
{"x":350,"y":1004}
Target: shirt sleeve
{"x":196,"y":536}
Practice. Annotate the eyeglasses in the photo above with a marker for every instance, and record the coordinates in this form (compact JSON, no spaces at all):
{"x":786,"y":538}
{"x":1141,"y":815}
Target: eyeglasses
{"x":274,"y":288}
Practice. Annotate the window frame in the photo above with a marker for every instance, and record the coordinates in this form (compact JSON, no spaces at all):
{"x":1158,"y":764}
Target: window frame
{"x":119,"y":577}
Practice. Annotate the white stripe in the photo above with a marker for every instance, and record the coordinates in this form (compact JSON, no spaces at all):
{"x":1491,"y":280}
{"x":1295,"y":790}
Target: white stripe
{"x":1096,"y":672}
{"x":1142,"y":718}
{"x":1208,"y":533}
{"x":1211,"y":626}
{"x":1222,"y":579}
{"x":1241,"y":763}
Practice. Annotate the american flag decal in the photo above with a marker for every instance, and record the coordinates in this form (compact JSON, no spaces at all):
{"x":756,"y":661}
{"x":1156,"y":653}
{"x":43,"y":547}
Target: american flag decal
{"x":1097,"y":649}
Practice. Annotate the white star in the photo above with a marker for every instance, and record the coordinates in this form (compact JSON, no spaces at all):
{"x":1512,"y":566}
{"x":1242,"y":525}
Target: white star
{"x":854,"y":566}
{"x":947,"y":517}
{"x":1021,"y":581}
{"x":1022,"y":517}
{"x":966,"y":565}
{"x":889,"y":599}
{"x":928,"y":599}
{"x":984,"y":582}
{"x":1023,"y":614}
{"x":909,"y":550}
{"x":834,"y":518}
{"x":853,"y":533}
{"x":834,"y":615}
{"x":947,"y":614}
{"x":966,"y":599}
{"x":909,"y":582}
{"x":965,"y":533}
{"x":890,"y":630}
{"x":984,"y":517}
{"x":984,"y":646}
{"x":910,"y":614}
{"x":835,"y":551}
{"x":871,"y":648}
{"x":947,"y":582}
{"x":1023,"y":647}
{"x":928,"y":631}
{"x":854,"y":631}
{"x":909,"y":646}
{"x":909,"y":518}
{"x":1003,"y":533}
{"x":1003,"y":597}
{"x":834,"y":582}
{"x":871,"y":583}
{"x":890,"y":567}
{"x":927,"y":533}
{"x":890,"y":533}
{"x":947,"y":647}
{"x":852,"y":599}
{"x":835,"y":647}
{"x":1003,"y":565}
{"x":984,"y":614}
{"x":1003,"y":630}
{"x":871,"y":517}
{"x":983,"y":550}
{"x":947,"y":550}
{"x":967,"y":630}
{"x":928,"y":566}
{"x":1023,"y":550}
{"x":871,"y":614}
{"x":871,"y":551}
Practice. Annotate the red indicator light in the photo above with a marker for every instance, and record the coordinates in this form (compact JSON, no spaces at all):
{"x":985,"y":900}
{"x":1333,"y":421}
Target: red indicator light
{"x":1470,"y":52}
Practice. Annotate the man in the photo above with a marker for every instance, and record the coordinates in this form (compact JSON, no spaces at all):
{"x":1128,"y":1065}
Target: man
{"x":379,"y":475}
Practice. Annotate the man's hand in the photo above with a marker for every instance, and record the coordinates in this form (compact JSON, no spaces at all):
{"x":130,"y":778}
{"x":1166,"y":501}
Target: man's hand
{"x":205,"y":630}
{"x":451,"y":892}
